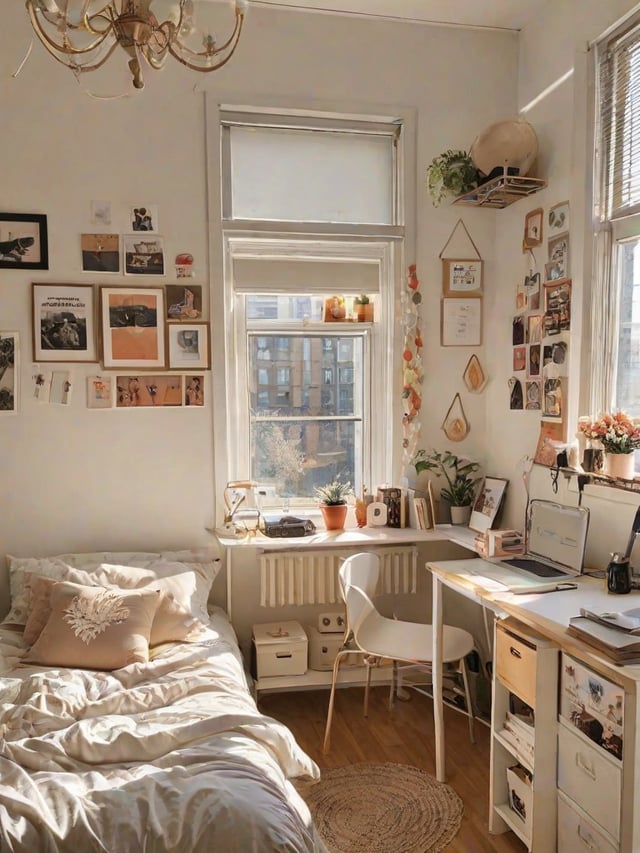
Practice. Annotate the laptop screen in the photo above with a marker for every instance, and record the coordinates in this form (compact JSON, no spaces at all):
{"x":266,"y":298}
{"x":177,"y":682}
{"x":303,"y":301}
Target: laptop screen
{"x":558,"y":533}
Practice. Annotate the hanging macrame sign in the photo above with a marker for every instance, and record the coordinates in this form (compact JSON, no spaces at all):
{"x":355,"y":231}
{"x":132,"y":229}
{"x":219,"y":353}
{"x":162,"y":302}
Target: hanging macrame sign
{"x":455,"y":424}
{"x":462,"y":271}
{"x":474,"y":376}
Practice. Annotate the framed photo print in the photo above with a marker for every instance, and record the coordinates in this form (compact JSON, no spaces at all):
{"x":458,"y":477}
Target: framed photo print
{"x":148,"y":391}
{"x":487,"y":503}
{"x":461,"y":322}
{"x":558,"y":218}
{"x":194,"y":390}
{"x":184,"y":302}
{"x":558,"y":257}
{"x":63,"y":322}
{"x":23,"y":241}
{"x":9,"y":372}
{"x":533,"y":229}
{"x":461,"y":278}
{"x":132,"y":320}
{"x":188,"y":346}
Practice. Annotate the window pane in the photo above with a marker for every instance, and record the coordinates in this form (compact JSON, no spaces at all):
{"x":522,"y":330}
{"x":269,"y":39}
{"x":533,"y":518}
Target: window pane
{"x":311,"y":176}
{"x":307,"y":399}
{"x":628,"y":379}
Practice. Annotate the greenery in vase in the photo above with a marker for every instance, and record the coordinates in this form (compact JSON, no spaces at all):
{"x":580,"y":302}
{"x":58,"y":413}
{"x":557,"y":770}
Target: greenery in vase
{"x":451,"y":173}
{"x":363,"y":299}
{"x":334,"y":493}
{"x":456,"y":471}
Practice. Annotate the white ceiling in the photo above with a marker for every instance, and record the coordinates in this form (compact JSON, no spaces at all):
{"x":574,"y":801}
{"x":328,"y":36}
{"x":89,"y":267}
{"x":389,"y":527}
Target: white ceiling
{"x":495,"y":14}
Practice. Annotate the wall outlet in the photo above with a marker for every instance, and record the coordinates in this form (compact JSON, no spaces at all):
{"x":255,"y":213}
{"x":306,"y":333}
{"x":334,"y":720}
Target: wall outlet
{"x":331,"y":623}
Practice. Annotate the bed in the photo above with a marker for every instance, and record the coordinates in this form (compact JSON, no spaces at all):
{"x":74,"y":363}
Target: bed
{"x":126,"y":719}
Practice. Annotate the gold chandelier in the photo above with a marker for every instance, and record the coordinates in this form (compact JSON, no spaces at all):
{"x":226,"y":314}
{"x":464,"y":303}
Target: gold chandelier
{"x":82,"y":34}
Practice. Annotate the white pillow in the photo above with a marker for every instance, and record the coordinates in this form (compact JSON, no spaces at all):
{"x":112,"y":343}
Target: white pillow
{"x":204,"y":561}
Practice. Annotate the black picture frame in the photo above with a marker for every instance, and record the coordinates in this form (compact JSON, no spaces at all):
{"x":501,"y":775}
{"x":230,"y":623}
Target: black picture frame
{"x":23,"y":241}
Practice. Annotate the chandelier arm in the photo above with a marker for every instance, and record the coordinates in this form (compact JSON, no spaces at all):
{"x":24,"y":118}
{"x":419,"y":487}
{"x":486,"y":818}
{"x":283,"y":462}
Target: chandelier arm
{"x":155,"y":60}
{"x":232,"y":42}
{"x":52,"y":45}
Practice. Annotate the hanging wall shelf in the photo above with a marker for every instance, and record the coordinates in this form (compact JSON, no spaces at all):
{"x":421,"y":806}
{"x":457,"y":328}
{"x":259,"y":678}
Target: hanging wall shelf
{"x":501,"y":191}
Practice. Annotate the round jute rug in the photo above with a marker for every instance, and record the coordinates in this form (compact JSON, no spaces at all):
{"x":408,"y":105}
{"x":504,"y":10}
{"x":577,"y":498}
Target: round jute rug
{"x":383,"y":808}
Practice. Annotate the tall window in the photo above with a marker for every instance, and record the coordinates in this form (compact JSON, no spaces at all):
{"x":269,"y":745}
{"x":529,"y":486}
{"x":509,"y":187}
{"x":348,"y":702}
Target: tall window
{"x":616,"y":298}
{"x":311,"y":219}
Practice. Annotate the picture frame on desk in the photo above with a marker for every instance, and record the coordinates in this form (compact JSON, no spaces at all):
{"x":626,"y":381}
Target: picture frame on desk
{"x":487,"y":504}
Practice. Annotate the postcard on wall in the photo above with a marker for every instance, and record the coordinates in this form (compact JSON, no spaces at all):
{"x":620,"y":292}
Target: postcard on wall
{"x":101,"y":212}
{"x":553,"y":399}
{"x":188,"y":345}
{"x":60,"y":392}
{"x":99,"y":392}
{"x":532,"y":229}
{"x":533,"y":396}
{"x":143,"y":254}
{"x":194,"y":390}
{"x":533,"y":361}
{"x":550,"y":440}
{"x":558,"y":257}
{"x":461,"y":322}
{"x":100,"y":252}
{"x":132,"y":327}
{"x":558,"y":218}
{"x":9,"y":372}
{"x":519,"y":358}
{"x":184,"y":302}
{"x":148,"y":390}
{"x":144,"y":217}
{"x":461,"y":278}
{"x":63,"y":322}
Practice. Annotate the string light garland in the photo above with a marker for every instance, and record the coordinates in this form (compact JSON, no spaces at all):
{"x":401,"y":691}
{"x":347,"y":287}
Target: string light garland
{"x":412,"y":371}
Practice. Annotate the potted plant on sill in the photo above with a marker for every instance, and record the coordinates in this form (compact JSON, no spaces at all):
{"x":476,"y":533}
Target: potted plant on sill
{"x":333,"y":503}
{"x":451,"y":173}
{"x":363,"y":309}
{"x":461,"y":484}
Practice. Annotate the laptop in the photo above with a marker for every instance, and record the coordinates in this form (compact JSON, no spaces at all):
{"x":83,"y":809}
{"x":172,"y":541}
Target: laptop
{"x":556,"y":540}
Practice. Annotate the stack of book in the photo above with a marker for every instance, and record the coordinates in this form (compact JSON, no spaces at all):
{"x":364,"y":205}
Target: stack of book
{"x":499,"y":543}
{"x":615,"y":635}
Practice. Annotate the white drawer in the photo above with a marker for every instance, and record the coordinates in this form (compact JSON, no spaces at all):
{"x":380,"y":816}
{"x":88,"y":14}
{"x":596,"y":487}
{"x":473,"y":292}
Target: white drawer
{"x":576,"y":832}
{"x":590,"y":777}
{"x":593,"y":704}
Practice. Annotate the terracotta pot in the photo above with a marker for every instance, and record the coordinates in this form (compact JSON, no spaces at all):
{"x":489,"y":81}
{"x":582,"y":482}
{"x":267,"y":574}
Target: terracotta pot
{"x":334,"y":516}
{"x":620,"y":465}
{"x":460,"y":514}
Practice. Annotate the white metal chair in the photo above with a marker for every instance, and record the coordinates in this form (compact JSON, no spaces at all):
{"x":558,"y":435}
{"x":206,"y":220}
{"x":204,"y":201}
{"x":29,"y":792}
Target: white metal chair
{"x":377,"y":637}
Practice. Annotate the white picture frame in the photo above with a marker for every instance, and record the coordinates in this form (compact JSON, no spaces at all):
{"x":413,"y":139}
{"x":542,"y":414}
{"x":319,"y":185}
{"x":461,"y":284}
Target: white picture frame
{"x":487,"y":503}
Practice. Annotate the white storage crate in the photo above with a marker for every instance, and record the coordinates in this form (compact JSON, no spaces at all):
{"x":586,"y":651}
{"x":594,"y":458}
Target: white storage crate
{"x":279,"y":648}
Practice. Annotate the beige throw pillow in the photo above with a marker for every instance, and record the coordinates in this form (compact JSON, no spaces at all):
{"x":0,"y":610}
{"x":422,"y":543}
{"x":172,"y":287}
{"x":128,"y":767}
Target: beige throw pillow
{"x":95,"y":628}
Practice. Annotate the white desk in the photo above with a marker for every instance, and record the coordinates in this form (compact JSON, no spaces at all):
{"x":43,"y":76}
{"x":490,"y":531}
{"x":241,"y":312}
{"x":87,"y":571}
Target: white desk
{"x":548,"y":614}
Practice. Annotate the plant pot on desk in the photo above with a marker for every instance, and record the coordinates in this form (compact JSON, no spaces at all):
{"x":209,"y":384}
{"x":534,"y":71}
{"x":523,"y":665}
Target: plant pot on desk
{"x":334,"y":515}
{"x":460,"y":514}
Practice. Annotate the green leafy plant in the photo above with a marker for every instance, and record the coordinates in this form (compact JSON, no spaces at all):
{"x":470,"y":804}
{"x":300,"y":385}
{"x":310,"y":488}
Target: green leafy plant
{"x":451,"y":173}
{"x":334,"y":493}
{"x":456,"y":471}
{"x":363,"y":299}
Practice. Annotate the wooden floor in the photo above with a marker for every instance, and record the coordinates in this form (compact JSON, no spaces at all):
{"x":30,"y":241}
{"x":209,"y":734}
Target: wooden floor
{"x":403,"y":736}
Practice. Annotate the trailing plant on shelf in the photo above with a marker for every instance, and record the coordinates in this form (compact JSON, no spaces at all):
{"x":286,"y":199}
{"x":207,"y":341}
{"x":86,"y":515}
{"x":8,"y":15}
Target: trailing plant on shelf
{"x":451,"y":173}
{"x":461,"y":484}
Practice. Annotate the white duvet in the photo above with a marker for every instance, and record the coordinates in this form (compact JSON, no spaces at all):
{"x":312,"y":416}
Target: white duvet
{"x":169,"y":755}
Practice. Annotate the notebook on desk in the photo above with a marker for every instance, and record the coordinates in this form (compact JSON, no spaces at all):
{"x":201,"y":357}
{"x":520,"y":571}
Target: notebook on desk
{"x":554,"y":555}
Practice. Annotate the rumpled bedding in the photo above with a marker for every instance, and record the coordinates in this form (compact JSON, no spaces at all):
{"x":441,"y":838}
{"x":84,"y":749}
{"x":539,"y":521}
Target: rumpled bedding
{"x":172,"y":755}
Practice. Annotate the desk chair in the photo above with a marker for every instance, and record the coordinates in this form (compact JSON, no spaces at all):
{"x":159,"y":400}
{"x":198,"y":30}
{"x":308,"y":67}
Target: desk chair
{"x":377,"y":637}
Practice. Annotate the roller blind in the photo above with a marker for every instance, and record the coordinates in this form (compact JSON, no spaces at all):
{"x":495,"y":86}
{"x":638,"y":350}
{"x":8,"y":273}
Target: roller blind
{"x":618,"y":131}
{"x":305,"y":276}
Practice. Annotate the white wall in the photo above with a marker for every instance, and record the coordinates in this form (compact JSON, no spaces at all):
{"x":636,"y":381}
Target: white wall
{"x":73,"y":479}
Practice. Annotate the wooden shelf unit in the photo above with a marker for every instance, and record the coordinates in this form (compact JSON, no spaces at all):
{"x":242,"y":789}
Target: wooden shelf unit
{"x":501,"y":191}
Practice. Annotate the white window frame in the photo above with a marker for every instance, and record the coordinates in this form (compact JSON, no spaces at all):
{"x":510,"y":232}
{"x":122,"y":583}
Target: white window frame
{"x":399,"y":243}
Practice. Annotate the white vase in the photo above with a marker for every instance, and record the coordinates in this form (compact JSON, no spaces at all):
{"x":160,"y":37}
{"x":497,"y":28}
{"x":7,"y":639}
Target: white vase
{"x":460,"y":514}
{"x":619,"y":465}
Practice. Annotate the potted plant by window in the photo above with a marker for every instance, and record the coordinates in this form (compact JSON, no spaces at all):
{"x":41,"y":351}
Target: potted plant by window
{"x":451,"y":173}
{"x":333,"y":503}
{"x":461,"y":484}
{"x":363,"y":309}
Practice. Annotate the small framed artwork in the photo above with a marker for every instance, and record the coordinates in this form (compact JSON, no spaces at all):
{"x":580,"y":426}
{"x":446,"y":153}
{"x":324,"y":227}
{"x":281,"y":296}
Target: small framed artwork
{"x":148,"y":391}
{"x":188,"y":345}
{"x":557,"y":306}
{"x":517,"y":332}
{"x":474,"y":375}
{"x":534,"y":328}
{"x":557,"y":257}
{"x":487,"y":503}
{"x":519,"y":358}
{"x":461,"y":322}
{"x":553,"y":404}
{"x":63,"y":322}
{"x":533,"y":362}
{"x":99,"y":392}
{"x":532,"y":290}
{"x":335,"y":310}
{"x":194,"y":390}
{"x":100,"y":252}
{"x":461,"y":277}
{"x":184,"y":302}
{"x":558,"y":218}
{"x":23,"y":241}
{"x":533,"y":229}
{"x":9,"y":372}
{"x":132,"y":321}
{"x":143,"y":254}
{"x":144,"y":218}
{"x":533,"y":396}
